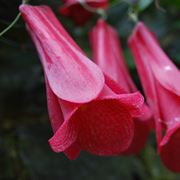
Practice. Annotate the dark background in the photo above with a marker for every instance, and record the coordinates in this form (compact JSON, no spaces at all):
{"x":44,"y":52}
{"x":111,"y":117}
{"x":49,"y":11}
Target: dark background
{"x":24,"y":124}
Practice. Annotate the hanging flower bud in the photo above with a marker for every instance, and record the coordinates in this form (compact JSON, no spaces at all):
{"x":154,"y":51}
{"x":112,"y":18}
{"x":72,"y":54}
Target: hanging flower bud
{"x":80,"y":14}
{"x":108,"y":55}
{"x":86,"y":112}
{"x":160,"y":79}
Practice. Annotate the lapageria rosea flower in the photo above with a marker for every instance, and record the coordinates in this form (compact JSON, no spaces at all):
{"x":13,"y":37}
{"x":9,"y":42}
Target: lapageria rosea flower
{"x":79,"y":14}
{"x":88,"y":111}
{"x":107,"y":53}
{"x":161,"y":82}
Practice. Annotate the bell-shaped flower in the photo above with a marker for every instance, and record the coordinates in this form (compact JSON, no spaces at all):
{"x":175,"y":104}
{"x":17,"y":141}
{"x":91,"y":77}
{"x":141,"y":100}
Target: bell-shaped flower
{"x":161,"y":83}
{"x":107,"y":53}
{"x":85,"y":111}
{"x":78,"y":9}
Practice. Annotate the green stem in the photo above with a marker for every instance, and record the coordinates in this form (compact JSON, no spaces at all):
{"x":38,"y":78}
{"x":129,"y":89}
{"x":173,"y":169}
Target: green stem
{"x":25,"y":1}
{"x":14,"y":21}
{"x":133,"y":15}
{"x":11,"y":25}
{"x":158,"y":6}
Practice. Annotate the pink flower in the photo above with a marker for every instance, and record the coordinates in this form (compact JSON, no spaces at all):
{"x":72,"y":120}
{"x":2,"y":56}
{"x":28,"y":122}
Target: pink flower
{"x":78,"y":13}
{"x":108,"y":55}
{"x":88,"y":111}
{"x":161,"y":82}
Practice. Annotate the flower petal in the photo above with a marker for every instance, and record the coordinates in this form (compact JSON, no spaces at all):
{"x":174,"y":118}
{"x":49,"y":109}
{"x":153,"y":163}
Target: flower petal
{"x":54,"y":109}
{"x":164,"y":70}
{"x":141,"y":134}
{"x":107,"y":53}
{"x":64,"y":137}
{"x":160,"y":79}
{"x":71,"y":75}
{"x":170,"y":148}
{"x":142,"y":59}
{"x":105,"y":127}
{"x":73,"y":151}
{"x":169,"y":106}
{"x":133,"y":102}
{"x":168,"y":76}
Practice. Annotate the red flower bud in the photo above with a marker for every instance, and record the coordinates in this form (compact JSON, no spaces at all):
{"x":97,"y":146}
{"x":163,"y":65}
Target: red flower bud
{"x":161,"y":82}
{"x":80,"y":15}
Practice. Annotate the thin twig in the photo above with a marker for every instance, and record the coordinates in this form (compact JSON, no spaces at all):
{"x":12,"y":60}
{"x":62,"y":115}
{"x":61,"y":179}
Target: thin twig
{"x":14,"y":21}
{"x":11,"y":25}
{"x":158,"y":6}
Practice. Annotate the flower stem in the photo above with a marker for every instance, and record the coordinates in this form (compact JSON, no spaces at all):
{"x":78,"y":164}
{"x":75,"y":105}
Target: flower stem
{"x":11,"y":25}
{"x":158,"y":6}
{"x":133,"y":15}
{"x":14,"y":21}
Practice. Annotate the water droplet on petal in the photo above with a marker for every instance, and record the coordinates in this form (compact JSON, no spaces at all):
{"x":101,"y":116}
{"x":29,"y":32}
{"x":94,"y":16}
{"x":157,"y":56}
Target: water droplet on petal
{"x":177,"y":119}
{"x":168,"y":68}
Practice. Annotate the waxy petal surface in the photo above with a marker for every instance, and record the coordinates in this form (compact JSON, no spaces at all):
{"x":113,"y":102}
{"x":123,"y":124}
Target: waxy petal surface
{"x":106,"y":116}
{"x":163,"y":69}
{"x":64,"y":137}
{"x":142,"y":60}
{"x":163,"y":92}
{"x":106,"y":127}
{"x":54,"y":109}
{"x":71,"y":75}
{"x":107,"y":53}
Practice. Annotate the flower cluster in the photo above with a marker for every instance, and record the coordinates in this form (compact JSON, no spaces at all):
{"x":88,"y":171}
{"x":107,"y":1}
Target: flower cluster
{"x":94,"y":105}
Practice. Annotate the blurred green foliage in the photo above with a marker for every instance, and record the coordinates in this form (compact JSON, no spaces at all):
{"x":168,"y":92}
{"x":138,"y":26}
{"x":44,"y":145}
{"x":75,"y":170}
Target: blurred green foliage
{"x":25,"y":128}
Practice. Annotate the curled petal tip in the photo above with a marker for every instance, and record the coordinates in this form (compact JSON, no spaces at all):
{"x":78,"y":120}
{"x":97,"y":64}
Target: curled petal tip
{"x":73,"y":151}
{"x":134,"y":103}
{"x":64,"y":137}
